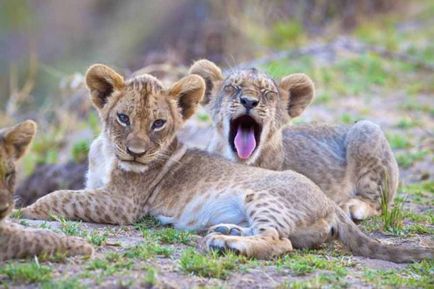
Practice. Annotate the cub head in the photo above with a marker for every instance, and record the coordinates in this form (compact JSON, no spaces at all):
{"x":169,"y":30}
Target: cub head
{"x":248,"y":107}
{"x":140,"y":116}
{"x":13,"y":144}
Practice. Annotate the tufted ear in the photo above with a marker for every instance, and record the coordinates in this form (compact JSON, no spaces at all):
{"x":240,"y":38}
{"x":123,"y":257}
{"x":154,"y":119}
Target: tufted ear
{"x":210,"y":72}
{"x":18,"y":138}
{"x":301,"y":92}
{"x":102,"y":81}
{"x":188,"y":92}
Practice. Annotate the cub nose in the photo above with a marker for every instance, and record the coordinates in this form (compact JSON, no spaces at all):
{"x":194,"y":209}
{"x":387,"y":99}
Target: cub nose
{"x":135,"y":152}
{"x":248,"y":103}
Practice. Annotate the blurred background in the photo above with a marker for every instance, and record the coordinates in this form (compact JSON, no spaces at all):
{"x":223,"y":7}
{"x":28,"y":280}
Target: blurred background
{"x":369,"y":59}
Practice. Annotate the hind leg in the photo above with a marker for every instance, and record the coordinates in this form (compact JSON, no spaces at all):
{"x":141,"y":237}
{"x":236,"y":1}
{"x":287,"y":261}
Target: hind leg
{"x":372,"y":168}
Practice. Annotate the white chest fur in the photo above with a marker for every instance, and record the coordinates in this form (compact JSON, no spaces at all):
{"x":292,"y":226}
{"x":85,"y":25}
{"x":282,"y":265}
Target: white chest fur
{"x":216,"y":208}
{"x":101,"y":161}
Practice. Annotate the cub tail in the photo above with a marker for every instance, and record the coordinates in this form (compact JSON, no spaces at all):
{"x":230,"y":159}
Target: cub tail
{"x":362,"y":245}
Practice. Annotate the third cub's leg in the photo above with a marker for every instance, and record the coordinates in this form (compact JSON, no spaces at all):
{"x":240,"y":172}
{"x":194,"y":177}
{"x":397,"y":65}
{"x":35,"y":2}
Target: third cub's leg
{"x":96,"y":206}
{"x":372,"y":168}
{"x":20,"y":242}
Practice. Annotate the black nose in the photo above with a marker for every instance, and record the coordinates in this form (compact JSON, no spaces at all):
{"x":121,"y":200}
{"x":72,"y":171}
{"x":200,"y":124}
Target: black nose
{"x":135,"y":153}
{"x":248,"y":103}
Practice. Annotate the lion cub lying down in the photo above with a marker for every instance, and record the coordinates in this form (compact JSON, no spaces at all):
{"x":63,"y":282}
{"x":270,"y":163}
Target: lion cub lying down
{"x":353,"y":165}
{"x":15,"y":240}
{"x":256,"y":212}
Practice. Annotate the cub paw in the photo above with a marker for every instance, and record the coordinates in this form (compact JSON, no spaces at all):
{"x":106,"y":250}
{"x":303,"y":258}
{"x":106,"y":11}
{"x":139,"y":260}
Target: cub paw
{"x":230,"y":229}
{"x":221,"y":244}
{"x":359,"y":210}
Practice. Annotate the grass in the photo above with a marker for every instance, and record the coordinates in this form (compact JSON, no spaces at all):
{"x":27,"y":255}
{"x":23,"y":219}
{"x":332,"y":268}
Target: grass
{"x":147,"y":250}
{"x":211,"y":265}
{"x":72,"y":228}
{"x":112,"y":263}
{"x":172,"y":236}
{"x":318,"y":281}
{"x":72,"y":283}
{"x":32,"y":272}
{"x":407,"y":159}
{"x":80,"y":150}
{"x":398,"y":141}
{"x":417,"y":275}
{"x":305,"y":262}
{"x":407,"y":123}
{"x":150,"y":278}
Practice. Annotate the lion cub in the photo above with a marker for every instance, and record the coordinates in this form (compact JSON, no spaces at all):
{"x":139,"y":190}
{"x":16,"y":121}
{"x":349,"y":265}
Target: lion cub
{"x":256,"y":212}
{"x":15,"y":240}
{"x":353,"y":165}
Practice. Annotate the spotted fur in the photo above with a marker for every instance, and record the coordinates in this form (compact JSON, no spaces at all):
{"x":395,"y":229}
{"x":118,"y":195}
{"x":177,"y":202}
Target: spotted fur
{"x":256,"y":212}
{"x":353,"y":164}
{"x":15,"y":240}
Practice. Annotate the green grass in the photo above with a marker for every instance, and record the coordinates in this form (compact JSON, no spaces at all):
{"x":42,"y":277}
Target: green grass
{"x":147,"y":250}
{"x":407,"y":159}
{"x":150,"y":278}
{"x":210,"y":265}
{"x":72,"y":228}
{"x":72,"y":283}
{"x":348,"y":118}
{"x":146,"y":223}
{"x":421,"y":193}
{"x":417,"y":275}
{"x":392,"y":217}
{"x":80,"y":150}
{"x":407,"y":122}
{"x":31,"y":272}
{"x":111,"y":263}
{"x":305,"y":262}
{"x":398,"y":141}
{"x":318,"y":281}
{"x":172,"y":236}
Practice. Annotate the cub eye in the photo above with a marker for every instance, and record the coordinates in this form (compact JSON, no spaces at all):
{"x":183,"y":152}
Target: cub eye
{"x":270,"y":93}
{"x":123,"y":119}
{"x":159,"y":123}
{"x":231,"y":89}
{"x":9,"y":176}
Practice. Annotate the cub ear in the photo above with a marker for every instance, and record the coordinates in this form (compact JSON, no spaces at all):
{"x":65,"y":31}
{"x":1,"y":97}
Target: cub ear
{"x":102,"y":81}
{"x":18,"y":138}
{"x":188,"y":92}
{"x":301,"y":91}
{"x":210,"y":72}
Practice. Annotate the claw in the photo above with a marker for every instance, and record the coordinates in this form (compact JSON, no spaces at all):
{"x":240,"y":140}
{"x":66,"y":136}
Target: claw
{"x":222,"y":230}
{"x":235,"y":232}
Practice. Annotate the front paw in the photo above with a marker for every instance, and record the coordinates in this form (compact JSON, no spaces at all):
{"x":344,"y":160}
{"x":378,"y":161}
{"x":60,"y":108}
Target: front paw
{"x":221,"y":243}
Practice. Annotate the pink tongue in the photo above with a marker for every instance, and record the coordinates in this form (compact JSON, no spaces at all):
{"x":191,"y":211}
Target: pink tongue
{"x":245,"y":142}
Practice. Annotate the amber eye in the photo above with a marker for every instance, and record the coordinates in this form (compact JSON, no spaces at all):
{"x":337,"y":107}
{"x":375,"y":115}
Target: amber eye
{"x":158,"y":124}
{"x":231,"y":89}
{"x":270,"y":93}
{"x":9,"y":176}
{"x":123,"y":119}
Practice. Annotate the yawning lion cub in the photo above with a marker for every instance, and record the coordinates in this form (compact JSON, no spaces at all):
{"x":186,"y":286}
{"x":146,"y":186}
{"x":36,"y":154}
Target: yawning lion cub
{"x":353,"y":165}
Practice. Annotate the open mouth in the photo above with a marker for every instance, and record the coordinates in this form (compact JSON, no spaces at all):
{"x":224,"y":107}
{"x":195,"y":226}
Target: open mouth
{"x":244,"y":136}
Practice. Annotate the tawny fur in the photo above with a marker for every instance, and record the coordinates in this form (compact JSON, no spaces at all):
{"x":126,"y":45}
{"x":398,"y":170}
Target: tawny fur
{"x":353,"y":164}
{"x":17,"y":241}
{"x":256,"y":212}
